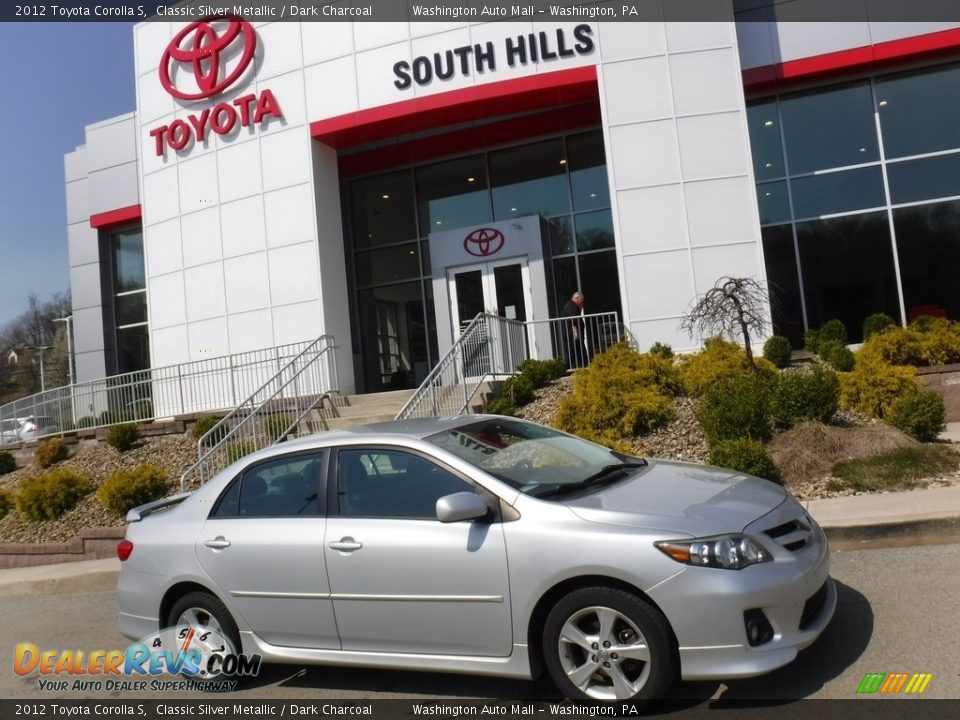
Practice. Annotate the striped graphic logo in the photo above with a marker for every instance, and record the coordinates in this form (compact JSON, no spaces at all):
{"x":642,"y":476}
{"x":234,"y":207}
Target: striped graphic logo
{"x":894,"y":683}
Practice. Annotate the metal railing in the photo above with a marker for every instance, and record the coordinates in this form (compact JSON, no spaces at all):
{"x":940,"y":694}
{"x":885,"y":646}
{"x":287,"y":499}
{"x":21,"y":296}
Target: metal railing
{"x":492,"y":346}
{"x":202,"y":386}
{"x":575,"y":340}
{"x":489,"y":346}
{"x":270,"y":413}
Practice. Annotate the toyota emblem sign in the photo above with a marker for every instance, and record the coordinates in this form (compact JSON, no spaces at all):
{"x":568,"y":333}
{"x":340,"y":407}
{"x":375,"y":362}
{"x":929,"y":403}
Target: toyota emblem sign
{"x":207,"y":57}
{"x":484,"y":242}
{"x":203,"y":53}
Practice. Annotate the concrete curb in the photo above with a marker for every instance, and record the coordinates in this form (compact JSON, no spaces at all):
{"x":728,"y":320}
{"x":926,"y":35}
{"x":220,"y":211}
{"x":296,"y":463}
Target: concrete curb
{"x":945,"y":527}
{"x":63,"y":578}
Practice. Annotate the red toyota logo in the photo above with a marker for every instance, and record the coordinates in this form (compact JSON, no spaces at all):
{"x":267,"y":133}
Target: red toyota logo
{"x":483,"y":242}
{"x":203,"y":51}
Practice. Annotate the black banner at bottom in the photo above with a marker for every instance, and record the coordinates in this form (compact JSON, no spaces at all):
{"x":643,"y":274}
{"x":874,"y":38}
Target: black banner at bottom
{"x":854,"y":709}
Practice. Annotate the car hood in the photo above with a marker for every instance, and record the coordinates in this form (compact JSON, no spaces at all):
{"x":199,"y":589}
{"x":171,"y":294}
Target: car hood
{"x":676,"y":497}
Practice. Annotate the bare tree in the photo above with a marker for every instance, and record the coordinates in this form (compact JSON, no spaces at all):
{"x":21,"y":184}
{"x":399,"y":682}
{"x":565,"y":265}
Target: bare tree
{"x":732,"y":306}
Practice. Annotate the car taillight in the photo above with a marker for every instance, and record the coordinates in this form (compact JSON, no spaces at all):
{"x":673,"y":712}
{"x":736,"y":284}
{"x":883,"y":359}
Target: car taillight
{"x":124,"y":548}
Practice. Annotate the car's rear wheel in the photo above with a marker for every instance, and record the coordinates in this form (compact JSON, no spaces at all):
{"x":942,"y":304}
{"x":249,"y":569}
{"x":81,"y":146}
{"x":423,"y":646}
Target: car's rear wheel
{"x":211,"y":624}
{"x":604,"y":644}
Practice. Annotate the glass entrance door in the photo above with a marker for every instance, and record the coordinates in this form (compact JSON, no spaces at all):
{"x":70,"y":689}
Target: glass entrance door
{"x":499,"y":288}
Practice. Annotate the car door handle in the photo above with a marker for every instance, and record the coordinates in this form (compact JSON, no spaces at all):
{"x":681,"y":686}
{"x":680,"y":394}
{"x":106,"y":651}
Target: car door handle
{"x":346,"y":544}
{"x":218,"y":543}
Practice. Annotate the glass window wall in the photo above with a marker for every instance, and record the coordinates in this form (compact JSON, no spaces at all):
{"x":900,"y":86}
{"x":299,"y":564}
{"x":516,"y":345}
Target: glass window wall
{"x":865,"y":245}
{"x":564,"y":180}
{"x":132,"y":339}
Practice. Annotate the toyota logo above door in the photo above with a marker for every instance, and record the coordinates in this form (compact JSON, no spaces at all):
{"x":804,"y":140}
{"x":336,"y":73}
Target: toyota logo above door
{"x":484,"y":242}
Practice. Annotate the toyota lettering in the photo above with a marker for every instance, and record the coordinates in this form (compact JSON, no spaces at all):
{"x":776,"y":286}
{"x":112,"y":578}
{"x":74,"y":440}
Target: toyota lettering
{"x":203,"y":60}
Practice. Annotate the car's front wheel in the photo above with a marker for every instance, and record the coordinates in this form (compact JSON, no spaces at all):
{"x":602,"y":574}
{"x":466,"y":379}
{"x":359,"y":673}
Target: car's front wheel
{"x":607,"y":644}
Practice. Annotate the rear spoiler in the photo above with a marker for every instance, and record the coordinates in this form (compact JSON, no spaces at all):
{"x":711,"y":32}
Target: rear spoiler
{"x":138,"y":513}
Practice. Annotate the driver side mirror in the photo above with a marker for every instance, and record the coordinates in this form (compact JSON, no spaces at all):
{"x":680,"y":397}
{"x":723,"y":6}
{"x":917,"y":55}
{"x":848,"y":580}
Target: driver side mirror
{"x":461,"y":506}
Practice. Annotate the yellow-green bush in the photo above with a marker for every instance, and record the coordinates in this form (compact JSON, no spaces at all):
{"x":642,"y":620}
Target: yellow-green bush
{"x":127,"y":489}
{"x":5,"y":504}
{"x":237,"y":449}
{"x":928,"y":341}
{"x":736,"y":408}
{"x":921,"y":415}
{"x":48,"y":496}
{"x":718,"y":360}
{"x":621,"y":394}
{"x":49,"y":452}
{"x":206,"y":423}
{"x":873,"y":386}
{"x":123,"y":436}
{"x":747,"y":456}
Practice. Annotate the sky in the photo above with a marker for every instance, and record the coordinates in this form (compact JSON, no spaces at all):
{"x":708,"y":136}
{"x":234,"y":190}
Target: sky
{"x":57,"y":78}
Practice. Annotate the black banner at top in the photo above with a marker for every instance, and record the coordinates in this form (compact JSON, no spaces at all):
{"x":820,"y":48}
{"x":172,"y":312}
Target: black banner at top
{"x":925,"y":11}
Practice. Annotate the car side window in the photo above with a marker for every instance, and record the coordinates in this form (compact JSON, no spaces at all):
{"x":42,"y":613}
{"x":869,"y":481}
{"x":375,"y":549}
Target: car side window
{"x":392,"y":484}
{"x":287,"y":486}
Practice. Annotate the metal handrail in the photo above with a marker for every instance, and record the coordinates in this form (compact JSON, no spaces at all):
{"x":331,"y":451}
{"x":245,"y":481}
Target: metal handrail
{"x":200,"y":386}
{"x":273,"y":411}
{"x":543,"y":339}
{"x":490,"y":346}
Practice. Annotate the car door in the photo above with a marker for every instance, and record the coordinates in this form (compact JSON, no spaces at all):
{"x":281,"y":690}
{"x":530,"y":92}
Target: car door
{"x":401,"y":580}
{"x":263,"y":546}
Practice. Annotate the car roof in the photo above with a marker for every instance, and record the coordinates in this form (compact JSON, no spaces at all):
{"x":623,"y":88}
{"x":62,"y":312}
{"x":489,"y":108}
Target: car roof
{"x":394,"y":429}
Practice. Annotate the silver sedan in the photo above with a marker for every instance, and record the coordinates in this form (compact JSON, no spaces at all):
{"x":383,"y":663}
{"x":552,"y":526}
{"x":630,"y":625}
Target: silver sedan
{"x":488,"y":545}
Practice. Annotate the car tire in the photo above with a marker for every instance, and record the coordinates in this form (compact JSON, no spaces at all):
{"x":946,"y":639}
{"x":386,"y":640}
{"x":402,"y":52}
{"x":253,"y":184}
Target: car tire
{"x":602,"y":644}
{"x":203,"y":611}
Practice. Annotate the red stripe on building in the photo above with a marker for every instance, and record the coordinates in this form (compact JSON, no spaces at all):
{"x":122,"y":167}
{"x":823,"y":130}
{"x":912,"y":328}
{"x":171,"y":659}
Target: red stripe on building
{"x":116,"y":217}
{"x":490,"y":100}
{"x":854,"y":60}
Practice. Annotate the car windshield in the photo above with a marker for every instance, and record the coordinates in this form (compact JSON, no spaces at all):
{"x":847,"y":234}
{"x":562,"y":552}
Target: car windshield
{"x":535,"y":459}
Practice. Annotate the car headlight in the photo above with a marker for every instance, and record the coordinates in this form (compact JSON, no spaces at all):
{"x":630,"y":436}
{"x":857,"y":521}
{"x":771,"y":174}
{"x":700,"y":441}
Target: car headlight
{"x":731,"y":552}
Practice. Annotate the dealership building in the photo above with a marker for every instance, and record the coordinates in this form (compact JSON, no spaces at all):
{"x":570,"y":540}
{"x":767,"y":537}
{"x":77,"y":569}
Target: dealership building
{"x":384,"y":182}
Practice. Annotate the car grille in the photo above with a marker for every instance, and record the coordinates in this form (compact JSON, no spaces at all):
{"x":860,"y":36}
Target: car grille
{"x":813,"y":607}
{"x":794,"y":535}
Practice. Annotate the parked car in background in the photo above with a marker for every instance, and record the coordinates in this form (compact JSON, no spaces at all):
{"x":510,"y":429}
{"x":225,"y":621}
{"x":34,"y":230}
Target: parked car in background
{"x":9,"y":432}
{"x":483,"y":544}
{"x":36,"y":426}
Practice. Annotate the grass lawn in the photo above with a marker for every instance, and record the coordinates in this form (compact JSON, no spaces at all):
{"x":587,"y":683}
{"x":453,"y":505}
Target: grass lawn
{"x":895,"y":470}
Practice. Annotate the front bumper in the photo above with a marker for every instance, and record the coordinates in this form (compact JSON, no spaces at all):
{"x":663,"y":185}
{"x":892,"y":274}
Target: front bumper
{"x":705,"y":608}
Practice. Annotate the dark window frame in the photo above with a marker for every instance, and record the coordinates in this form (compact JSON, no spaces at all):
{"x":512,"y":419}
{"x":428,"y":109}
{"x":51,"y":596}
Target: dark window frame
{"x":237,"y":481}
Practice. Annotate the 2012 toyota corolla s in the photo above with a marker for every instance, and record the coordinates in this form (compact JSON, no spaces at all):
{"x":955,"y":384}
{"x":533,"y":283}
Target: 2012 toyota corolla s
{"x":488,"y":545}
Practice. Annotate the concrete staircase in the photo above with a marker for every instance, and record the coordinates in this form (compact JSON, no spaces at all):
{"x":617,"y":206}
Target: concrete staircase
{"x":340,"y":412}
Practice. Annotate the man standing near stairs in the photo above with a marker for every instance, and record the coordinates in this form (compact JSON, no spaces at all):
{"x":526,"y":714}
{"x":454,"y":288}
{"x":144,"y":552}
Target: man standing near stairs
{"x":575,"y":342}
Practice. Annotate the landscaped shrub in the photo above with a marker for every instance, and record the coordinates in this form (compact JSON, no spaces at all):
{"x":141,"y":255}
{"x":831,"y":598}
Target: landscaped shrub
{"x":542,"y":372}
{"x":801,"y":396}
{"x":928,"y":341}
{"x":49,"y":452}
{"x":86,"y":421}
{"x":839,"y":356}
{"x":832,"y":330}
{"x":276,"y":424}
{"x":876,"y":323}
{"x":7,"y":463}
{"x":718,"y":360}
{"x":735,"y":408}
{"x":747,"y":456}
{"x":237,"y":449}
{"x":5,"y":504}
{"x":811,"y":340}
{"x":204,"y":424}
{"x":127,"y":489}
{"x":123,"y":436}
{"x":921,"y":415}
{"x":873,"y":386}
{"x":48,"y":496}
{"x":778,"y":350}
{"x":662,"y":350}
{"x":620,"y":394}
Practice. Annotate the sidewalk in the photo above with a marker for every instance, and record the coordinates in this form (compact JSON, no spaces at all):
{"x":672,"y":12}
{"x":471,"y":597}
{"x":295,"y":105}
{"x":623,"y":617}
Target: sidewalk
{"x":853,"y":517}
